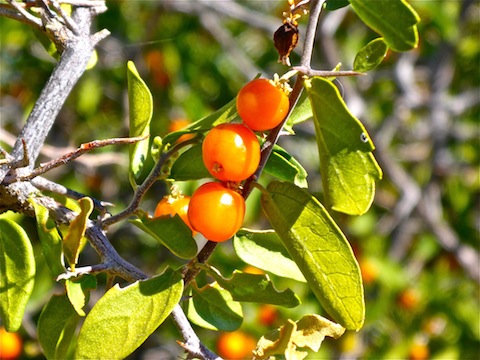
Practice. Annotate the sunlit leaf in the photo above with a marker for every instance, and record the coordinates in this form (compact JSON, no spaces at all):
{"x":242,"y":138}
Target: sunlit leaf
{"x":265,"y":250}
{"x":284,"y":166}
{"x":347,"y":165}
{"x":125,"y":317}
{"x":255,"y":288}
{"x":370,"y":56}
{"x":172,"y":233}
{"x":309,"y":332}
{"x":78,"y":291}
{"x":213,"y":307}
{"x":140,"y":110}
{"x":56,"y":327}
{"x":74,"y":241}
{"x":17,"y":273}
{"x":223,"y":115}
{"x":50,"y":239}
{"x":320,"y":250}
{"x":395,"y":20}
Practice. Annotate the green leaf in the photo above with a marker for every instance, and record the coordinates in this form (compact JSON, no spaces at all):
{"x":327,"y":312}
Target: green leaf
{"x":348,"y":167}
{"x":74,"y":241}
{"x":336,"y":4}
{"x":189,"y":165}
{"x":254,"y":288}
{"x":125,"y":317}
{"x":56,"y":327}
{"x":140,"y":103}
{"x":78,"y":291}
{"x":213,"y":307}
{"x":309,"y":332}
{"x":50,"y":239}
{"x":223,"y":115}
{"x":320,"y":250}
{"x":395,"y":20}
{"x":300,"y":113}
{"x":17,"y":269}
{"x":284,"y":166}
{"x":172,"y":233}
{"x":370,"y":56}
{"x":265,"y":250}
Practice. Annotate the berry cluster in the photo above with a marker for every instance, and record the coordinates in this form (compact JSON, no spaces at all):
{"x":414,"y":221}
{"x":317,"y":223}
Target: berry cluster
{"x":231,"y":154}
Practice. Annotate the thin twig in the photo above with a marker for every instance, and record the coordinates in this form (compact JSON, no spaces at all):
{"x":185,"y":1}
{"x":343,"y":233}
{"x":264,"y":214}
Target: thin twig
{"x":47,"y":185}
{"x":29,"y":18}
{"x":154,"y":175}
{"x":65,"y":159}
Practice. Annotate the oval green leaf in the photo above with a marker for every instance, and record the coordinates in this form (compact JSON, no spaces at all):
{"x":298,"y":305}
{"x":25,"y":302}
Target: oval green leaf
{"x":336,"y":4}
{"x":140,"y":103}
{"x":225,"y":114}
{"x":56,"y":327}
{"x":189,"y":165}
{"x":213,"y":308}
{"x":395,"y":20}
{"x":78,"y":291}
{"x":348,"y":167}
{"x":265,"y":250}
{"x":50,"y":239}
{"x":171,"y":232}
{"x":125,"y":317}
{"x":370,"y":56}
{"x":284,"y":166}
{"x":255,"y":288}
{"x":320,"y":250}
{"x":17,"y":269}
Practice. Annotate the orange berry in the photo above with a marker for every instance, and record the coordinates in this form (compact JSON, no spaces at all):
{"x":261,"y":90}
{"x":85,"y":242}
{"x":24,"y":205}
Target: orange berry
{"x":231,"y":152}
{"x":409,"y":299}
{"x":236,"y":345}
{"x":267,"y":314}
{"x":369,"y":271}
{"x":419,"y":351}
{"x":10,"y":345}
{"x":171,"y":205}
{"x":216,"y":211}
{"x":262,"y":105}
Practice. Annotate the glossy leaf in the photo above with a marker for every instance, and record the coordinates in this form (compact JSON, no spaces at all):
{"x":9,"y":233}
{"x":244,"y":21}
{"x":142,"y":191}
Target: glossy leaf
{"x":17,"y":269}
{"x":172,"y":233}
{"x":348,"y":167}
{"x":74,"y":240}
{"x":50,"y":239}
{"x":320,"y":250}
{"x":140,"y":103}
{"x":265,"y":250}
{"x":213,"y":307}
{"x":284,"y":166}
{"x":336,"y":4}
{"x":56,"y":327}
{"x":394,"y":20}
{"x":126,"y":317}
{"x":255,"y":288}
{"x":309,"y":332}
{"x":78,"y":291}
{"x":370,"y":56}
{"x":223,"y":115}
{"x":189,"y":165}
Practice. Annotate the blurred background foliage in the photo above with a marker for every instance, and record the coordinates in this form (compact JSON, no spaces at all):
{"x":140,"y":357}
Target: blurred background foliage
{"x":421,"y":108}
